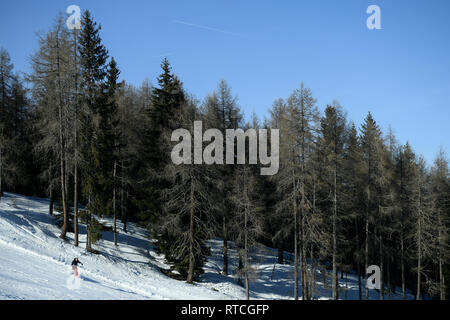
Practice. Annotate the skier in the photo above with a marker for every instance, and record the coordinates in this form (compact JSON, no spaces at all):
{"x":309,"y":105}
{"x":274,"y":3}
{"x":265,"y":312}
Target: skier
{"x":75,"y":263}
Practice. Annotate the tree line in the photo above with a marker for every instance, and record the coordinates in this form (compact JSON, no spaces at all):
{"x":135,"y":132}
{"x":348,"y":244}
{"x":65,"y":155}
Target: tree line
{"x":344,"y":197}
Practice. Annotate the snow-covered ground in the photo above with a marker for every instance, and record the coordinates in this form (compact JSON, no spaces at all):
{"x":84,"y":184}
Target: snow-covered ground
{"x":35,"y":264}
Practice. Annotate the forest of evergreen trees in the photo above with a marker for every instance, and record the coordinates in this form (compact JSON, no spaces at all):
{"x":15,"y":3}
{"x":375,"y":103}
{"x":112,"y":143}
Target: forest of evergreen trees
{"x":344,"y":197}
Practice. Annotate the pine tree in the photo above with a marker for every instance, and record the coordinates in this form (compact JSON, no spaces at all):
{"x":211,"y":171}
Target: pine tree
{"x":406,"y":177}
{"x":332,"y":144}
{"x":93,"y":57}
{"x":440,"y":190}
{"x":108,"y":143}
{"x":276,"y":227}
{"x":297,"y":128}
{"x":51,"y":88}
{"x":424,"y":223}
{"x":221,"y":111}
{"x":164,"y":115}
{"x":372,"y":172}
{"x":353,"y":198}
{"x":132,"y":121}
{"x":5,"y":89}
{"x":75,"y":142}
{"x":187,"y":204}
{"x":248,"y":220}
{"x":388,"y":215}
{"x":385,"y":207}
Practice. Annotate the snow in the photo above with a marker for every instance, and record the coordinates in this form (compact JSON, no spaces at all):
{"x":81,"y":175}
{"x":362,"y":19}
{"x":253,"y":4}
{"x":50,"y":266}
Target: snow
{"x":35,"y":264}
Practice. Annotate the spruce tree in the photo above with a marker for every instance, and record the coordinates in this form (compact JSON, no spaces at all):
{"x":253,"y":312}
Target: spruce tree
{"x":372,"y":173}
{"x":107,"y":145}
{"x":164,"y":115}
{"x":93,"y":57}
{"x":187,"y":221}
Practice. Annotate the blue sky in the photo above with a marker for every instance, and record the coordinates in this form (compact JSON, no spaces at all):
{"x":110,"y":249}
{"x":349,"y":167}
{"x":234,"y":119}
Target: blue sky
{"x":264,"y":49}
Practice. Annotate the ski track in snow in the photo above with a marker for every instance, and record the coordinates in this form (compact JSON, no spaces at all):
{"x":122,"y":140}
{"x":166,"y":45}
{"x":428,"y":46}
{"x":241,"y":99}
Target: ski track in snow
{"x":35,"y":264}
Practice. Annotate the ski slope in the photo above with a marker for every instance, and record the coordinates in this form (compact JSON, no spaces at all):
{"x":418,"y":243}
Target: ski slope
{"x":35,"y":264}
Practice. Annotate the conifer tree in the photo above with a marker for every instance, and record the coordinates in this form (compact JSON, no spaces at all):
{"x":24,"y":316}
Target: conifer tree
{"x":51,"y":89}
{"x":353,"y":198}
{"x":164,"y":115}
{"x":6,"y":75}
{"x":297,"y":129}
{"x":440,"y":190}
{"x":406,"y":177}
{"x":187,"y":221}
{"x":221,"y":111}
{"x":372,"y":173}
{"x":248,"y":220}
{"x":423,"y":224}
{"x":276,"y":227}
{"x":108,"y":143}
{"x":332,"y":144}
{"x":93,"y":57}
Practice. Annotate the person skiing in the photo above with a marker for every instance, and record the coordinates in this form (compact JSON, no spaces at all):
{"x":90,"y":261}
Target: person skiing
{"x":75,"y":263}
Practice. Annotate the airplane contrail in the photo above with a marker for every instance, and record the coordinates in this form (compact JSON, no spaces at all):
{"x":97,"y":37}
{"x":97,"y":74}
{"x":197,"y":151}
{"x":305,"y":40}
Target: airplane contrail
{"x":204,"y":27}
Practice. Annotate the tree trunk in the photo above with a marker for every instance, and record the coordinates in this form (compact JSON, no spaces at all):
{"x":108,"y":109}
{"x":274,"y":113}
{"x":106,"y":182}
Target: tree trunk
{"x":246,"y":266}
{"x":1,"y":167}
{"x":419,"y":255}
{"x":66,"y":166}
{"x":359,"y":281}
{"x":381,"y":268}
{"x":441,"y":271}
{"x":240,"y":268}
{"x":88,"y":222}
{"x":51,"y":202}
{"x":61,"y":145}
{"x":125,"y":220}
{"x":295,"y":241}
{"x":75,"y":138}
{"x":311,"y":277}
{"x":190,"y":276}
{"x":122,"y":202}
{"x":114,"y":204}
{"x":225,"y":245}
{"x":366,"y":249}
{"x":366,"y":253}
{"x":75,"y":202}
{"x":402,"y":236}
{"x":388,"y":272}
{"x":305,"y":294}
{"x":358,"y":262}
{"x":335,"y":280}
{"x":402,"y":265}
{"x":280,"y":259}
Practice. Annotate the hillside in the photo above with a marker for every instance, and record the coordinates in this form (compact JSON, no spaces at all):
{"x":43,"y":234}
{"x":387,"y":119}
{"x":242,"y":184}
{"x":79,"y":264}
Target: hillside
{"x":35,"y":264}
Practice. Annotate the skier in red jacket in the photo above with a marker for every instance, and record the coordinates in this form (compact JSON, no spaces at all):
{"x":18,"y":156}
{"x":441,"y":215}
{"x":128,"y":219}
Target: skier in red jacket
{"x":75,"y":263}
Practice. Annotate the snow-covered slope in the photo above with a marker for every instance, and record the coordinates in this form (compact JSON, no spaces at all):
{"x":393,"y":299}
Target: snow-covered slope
{"x":35,"y":264}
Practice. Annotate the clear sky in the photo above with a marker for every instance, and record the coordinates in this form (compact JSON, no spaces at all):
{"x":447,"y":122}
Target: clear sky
{"x":264,"y":49}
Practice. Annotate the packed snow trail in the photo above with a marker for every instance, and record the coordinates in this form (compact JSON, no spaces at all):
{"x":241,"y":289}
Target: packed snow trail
{"x":36,"y":264}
